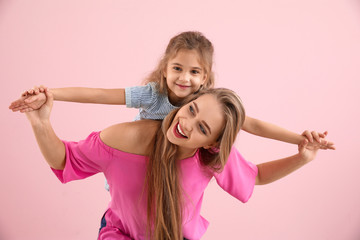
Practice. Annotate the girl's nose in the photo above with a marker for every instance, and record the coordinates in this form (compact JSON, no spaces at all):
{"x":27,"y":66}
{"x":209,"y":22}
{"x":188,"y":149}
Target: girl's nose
{"x":185,"y":76}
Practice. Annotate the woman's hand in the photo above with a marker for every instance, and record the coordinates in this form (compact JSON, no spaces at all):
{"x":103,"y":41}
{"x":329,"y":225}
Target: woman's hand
{"x":30,"y":100}
{"x":307,"y":150}
{"x":43,"y":113}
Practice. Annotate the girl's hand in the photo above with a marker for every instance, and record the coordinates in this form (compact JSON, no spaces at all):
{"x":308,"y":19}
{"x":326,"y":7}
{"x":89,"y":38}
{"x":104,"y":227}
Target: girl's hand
{"x":318,"y":138}
{"x":306,"y":151}
{"x":30,"y":100}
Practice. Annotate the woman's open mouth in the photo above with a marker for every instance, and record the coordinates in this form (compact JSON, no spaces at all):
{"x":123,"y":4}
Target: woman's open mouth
{"x":178,"y":131}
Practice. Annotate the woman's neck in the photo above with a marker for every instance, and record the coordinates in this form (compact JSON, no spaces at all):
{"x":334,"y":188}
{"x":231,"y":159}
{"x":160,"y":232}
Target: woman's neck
{"x":184,"y":153}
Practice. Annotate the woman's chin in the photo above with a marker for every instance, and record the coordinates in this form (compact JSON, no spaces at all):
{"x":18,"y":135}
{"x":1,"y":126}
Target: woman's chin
{"x":170,"y":137}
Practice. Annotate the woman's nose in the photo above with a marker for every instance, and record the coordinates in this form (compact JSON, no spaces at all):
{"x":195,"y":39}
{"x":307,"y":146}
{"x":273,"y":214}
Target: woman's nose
{"x":187,"y":125}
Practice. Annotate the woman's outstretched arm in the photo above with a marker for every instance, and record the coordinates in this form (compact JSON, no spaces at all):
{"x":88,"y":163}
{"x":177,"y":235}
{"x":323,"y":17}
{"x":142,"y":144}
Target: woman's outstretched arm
{"x":271,"y":171}
{"x":51,"y":146}
{"x":272,"y":131}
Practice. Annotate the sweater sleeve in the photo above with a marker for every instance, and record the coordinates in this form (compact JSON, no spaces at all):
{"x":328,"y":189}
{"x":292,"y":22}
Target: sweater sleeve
{"x":84,"y":158}
{"x":140,"y":96}
{"x":238,"y":176}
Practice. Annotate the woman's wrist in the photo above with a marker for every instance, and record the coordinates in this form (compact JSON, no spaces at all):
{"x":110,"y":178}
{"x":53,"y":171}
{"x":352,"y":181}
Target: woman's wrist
{"x":303,"y":158}
{"x":40,"y":123}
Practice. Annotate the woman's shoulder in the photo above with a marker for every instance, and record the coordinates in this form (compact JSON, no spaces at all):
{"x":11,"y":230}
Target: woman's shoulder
{"x":132,"y":137}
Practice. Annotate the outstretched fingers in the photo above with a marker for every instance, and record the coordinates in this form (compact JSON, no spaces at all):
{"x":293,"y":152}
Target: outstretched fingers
{"x":28,"y":109}
{"x":20,"y":108}
{"x":16,"y":104}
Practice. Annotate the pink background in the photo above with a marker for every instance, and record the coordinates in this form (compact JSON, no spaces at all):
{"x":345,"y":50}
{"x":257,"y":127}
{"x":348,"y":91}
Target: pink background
{"x":294,"y":63}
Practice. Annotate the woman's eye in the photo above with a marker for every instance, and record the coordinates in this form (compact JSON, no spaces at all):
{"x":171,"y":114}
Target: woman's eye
{"x":191,"y":109}
{"x":202,"y":129}
{"x":177,"y":68}
{"x":195,"y":72}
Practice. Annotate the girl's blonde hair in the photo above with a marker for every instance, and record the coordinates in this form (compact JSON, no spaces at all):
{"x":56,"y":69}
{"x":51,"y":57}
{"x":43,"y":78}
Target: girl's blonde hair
{"x":164,"y":195}
{"x":185,"y":40}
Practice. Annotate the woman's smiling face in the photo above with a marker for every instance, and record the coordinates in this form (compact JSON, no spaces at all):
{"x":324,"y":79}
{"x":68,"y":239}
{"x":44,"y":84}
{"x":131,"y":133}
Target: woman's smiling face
{"x":197,"y":124}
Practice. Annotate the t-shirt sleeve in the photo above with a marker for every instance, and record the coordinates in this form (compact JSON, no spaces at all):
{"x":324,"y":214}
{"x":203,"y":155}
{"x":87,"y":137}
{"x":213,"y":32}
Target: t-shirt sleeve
{"x":238,"y":177}
{"x":84,"y":158}
{"x":140,"y":96}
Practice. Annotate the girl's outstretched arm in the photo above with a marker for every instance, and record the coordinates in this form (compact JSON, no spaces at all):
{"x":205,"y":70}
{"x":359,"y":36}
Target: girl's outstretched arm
{"x":34,"y":98}
{"x":90,"y":95}
{"x":51,"y":146}
{"x":271,"y":171}
{"x":269,"y":130}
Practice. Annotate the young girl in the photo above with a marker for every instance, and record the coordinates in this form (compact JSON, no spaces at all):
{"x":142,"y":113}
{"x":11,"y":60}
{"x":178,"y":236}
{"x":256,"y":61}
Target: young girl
{"x":185,"y":68}
{"x":158,"y":171}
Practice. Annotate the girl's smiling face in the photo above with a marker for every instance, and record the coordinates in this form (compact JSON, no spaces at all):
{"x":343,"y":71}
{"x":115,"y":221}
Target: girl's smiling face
{"x":197,"y":124}
{"x":184,"y":75}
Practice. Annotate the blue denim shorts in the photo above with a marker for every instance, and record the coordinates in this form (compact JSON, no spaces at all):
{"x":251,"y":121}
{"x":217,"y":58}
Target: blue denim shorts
{"x":102,"y":223}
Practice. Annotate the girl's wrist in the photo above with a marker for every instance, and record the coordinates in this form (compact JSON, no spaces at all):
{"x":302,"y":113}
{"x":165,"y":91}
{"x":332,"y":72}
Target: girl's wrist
{"x":301,"y":138}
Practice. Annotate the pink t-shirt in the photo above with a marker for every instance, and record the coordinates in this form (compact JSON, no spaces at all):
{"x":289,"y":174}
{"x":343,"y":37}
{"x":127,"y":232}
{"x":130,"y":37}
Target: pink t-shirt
{"x":125,"y":173}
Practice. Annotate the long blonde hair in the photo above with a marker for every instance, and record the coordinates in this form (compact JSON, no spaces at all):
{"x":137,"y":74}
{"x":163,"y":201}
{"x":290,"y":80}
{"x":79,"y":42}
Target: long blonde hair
{"x":164,"y":195}
{"x":186,"y":40}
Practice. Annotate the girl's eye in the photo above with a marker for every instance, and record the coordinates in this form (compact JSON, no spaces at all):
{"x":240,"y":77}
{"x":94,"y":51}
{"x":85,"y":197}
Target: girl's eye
{"x":191,"y":109}
{"x":177,"y":68}
{"x":202,"y":129}
{"x":195,"y":72}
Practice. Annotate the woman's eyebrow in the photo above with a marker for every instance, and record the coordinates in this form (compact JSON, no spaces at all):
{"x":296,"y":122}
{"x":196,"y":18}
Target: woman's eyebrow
{"x":207,"y":126}
{"x":196,"y":107}
{"x":197,"y":110}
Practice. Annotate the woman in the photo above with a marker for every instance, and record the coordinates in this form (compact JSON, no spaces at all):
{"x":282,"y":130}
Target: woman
{"x":164,"y":164}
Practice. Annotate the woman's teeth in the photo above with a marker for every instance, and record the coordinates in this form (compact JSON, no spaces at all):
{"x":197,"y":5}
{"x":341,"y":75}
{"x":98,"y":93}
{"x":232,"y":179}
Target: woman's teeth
{"x":179,"y":130}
